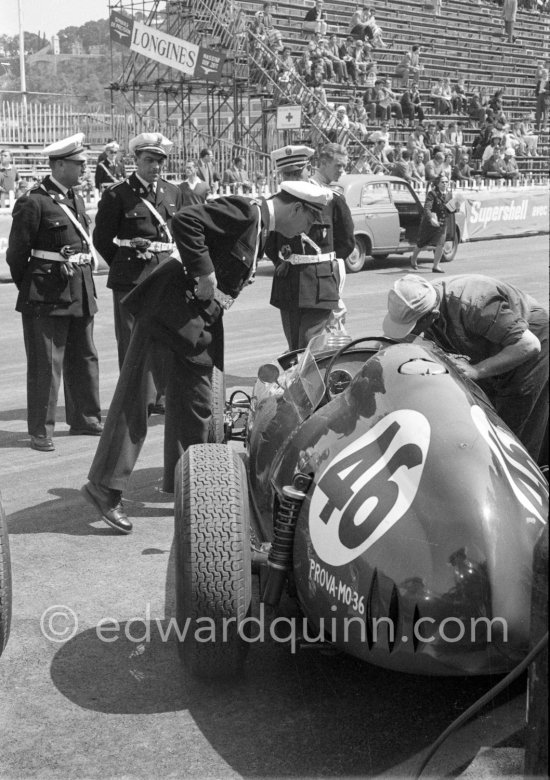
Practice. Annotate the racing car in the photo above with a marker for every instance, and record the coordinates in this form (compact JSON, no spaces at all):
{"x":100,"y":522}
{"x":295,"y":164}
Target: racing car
{"x":381,"y":489}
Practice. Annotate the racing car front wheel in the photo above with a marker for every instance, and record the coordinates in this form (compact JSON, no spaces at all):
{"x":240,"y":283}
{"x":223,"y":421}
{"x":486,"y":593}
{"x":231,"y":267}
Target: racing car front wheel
{"x":5,"y":581}
{"x":216,"y":429}
{"x":213,"y":568}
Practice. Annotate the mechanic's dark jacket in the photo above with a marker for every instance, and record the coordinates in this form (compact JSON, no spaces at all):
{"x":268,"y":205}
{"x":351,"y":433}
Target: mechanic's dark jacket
{"x":122,"y":214}
{"x":221,"y":236}
{"x":49,"y":287}
{"x":313,"y":286}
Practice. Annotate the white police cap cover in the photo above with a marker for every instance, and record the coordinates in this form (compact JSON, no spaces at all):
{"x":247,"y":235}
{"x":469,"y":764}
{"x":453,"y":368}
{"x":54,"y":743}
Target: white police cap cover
{"x":291,"y":157}
{"x":150,"y":142}
{"x":71,"y":148}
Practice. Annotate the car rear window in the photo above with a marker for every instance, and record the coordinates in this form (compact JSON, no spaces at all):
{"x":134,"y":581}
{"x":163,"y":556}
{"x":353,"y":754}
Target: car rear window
{"x":375,"y":192}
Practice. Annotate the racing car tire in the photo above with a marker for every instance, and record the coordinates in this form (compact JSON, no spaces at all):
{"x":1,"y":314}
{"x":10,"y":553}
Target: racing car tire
{"x":213,"y":567}
{"x":216,"y":432}
{"x":451,"y":248}
{"x":5,"y":581}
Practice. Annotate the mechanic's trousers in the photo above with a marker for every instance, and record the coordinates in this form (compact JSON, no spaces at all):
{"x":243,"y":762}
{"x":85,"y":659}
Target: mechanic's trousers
{"x":187,"y":420}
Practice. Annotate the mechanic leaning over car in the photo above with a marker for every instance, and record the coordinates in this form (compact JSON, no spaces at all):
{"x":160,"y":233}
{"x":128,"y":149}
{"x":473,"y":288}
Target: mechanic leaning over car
{"x":132,"y":233}
{"x":180,"y":305}
{"x":503,"y":334}
{"x":309,"y":269}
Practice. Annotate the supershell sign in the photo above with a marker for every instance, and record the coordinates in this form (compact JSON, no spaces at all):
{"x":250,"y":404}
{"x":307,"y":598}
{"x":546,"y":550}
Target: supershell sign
{"x":368,"y":487}
{"x":158,"y":45}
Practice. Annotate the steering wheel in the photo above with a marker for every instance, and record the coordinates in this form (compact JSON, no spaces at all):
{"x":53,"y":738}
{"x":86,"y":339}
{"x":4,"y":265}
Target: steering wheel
{"x":345,"y":348}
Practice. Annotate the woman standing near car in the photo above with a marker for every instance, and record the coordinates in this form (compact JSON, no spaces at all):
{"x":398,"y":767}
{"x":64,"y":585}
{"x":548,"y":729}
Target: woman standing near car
{"x":436,"y":222}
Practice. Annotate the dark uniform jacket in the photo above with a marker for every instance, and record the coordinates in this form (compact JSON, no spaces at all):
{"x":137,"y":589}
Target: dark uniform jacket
{"x":122,"y":214}
{"x":107,"y":173}
{"x":220,"y":236}
{"x":49,"y":287}
{"x":312,"y":286}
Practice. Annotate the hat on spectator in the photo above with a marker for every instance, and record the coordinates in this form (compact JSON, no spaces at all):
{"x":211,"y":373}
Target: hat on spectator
{"x":510,"y":151}
{"x":410,"y":299}
{"x":112,"y":146}
{"x":292,"y":158}
{"x":71,"y":148}
{"x":150,"y":142}
{"x":342,"y":108}
{"x":313,"y":195}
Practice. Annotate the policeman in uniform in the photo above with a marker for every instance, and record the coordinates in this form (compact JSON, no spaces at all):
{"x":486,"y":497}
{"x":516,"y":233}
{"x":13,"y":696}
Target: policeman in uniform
{"x":132,"y":233}
{"x":309,"y":270}
{"x":180,"y":304}
{"x":109,"y":170}
{"x":51,"y":260}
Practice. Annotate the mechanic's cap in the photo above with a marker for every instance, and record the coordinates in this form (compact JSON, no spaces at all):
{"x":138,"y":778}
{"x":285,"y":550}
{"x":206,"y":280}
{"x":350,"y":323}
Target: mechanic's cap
{"x":314,"y":196}
{"x":291,"y":158}
{"x":411,"y":298}
{"x":71,"y":148}
{"x":150,"y":142}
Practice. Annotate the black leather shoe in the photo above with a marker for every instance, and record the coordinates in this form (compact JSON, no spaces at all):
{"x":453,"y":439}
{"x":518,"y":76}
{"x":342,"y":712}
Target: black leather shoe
{"x":94,"y":429}
{"x":157,"y":408}
{"x":109,"y":504}
{"x":42,"y":444}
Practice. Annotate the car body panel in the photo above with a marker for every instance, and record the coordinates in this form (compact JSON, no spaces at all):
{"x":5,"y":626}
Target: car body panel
{"x":423,"y":512}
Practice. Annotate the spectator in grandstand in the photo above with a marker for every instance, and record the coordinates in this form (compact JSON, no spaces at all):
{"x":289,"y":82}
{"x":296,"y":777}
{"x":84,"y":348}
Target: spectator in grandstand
{"x":462,"y":170}
{"x":9,"y":175}
{"x":380,"y":162}
{"x":418,"y":172}
{"x":402,"y":167}
{"x":417,"y":101}
{"x":446,"y":97}
{"x":474,"y":109}
{"x":434,"y":167}
{"x":347,"y":54}
{"x":441,"y":140}
{"x":362,"y":60}
{"x":383,"y":133}
{"x":493,"y":166}
{"x":206,"y":170}
{"x":194,"y":190}
{"x":236,"y":178}
{"x":494,"y":145}
{"x":261,"y":184}
{"x":361,"y":120}
{"x":530,"y":139}
{"x":435,"y":94}
{"x":509,"y":11}
{"x":358,"y":27}
{"x":394,"y":152}
{"x":376,"y":39}
{"x":542,"y":93}
{"x":455,"y":139}
{"x":402,"y":69}
{"x":510,"y":166}
{"x":342,"y":126}
{"x":332,"y":52}
{"x":263,"y":20}
{"x":448,"y":164}
{"x":416,"y":140}
{"x":315,"y":20}
{"x":458,"y":97}
{"x":387,"y":103}
{"x":429,"y":137}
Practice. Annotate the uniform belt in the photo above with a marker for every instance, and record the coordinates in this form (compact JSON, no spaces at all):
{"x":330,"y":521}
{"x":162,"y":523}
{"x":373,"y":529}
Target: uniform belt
{"x":79,"y":258}
{"x":154,"y":246}
{"x":307,"y":259}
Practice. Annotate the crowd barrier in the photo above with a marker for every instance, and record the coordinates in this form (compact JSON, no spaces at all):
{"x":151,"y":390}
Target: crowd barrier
{"x":491,"y":209}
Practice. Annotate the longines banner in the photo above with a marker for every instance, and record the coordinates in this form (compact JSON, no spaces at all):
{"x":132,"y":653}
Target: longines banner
{"x":164,"y":48}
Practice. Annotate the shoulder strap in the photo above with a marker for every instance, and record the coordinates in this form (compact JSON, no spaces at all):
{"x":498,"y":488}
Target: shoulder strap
{"x":160,"y":219}
{"x":108,"y":172}
{"x":78,"y":226}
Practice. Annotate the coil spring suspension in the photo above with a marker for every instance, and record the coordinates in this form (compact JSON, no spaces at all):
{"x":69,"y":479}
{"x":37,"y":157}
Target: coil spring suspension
{"x":280,"y":554}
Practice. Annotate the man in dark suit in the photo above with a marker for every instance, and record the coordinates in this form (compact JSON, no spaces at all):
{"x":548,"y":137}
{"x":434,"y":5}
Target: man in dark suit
{"x":51,"y":259}
{"x":180,"y":304}
{"x":309,"y":270}
{"x":109,"y":169}
{"x":132,"y":233}
{"x":206,"y":170}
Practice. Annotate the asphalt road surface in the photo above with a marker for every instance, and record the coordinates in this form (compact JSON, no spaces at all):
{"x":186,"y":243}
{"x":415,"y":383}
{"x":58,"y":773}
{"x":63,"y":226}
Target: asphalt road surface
{"x":75,"y":706}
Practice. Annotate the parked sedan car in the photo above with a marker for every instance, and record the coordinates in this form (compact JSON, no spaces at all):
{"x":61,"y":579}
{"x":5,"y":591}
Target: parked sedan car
{"x":386,"y":213}
{"x":379,"y":487}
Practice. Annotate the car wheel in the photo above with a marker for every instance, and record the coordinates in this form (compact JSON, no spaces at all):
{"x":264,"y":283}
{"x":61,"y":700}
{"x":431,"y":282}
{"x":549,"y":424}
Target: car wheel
{"x":5,"y":581}
{"x":216,"y":431}
{"x":356,"y":261}
{"x":451,"y":248}
{"x":213,"y":568}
